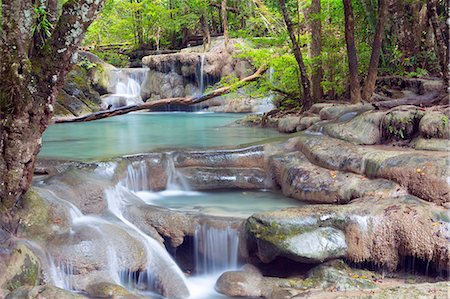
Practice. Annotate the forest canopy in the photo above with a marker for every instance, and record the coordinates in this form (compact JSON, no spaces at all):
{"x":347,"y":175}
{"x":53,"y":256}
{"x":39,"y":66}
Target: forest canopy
{"x":407,"y":47}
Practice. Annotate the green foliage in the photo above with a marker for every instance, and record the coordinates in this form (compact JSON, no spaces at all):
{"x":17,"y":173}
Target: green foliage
{"x":444,"y":120}
{"x":42,"y":27}
{"x":112,"y":57}
{"x":86,"y":64}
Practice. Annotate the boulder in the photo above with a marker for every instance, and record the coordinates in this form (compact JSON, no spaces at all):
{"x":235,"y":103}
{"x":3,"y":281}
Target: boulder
{"x":302,"y":180}
{"x":401,"y":124}
{"x":306,"y":122}
{"x":435,"y":125}
{"x":43,"y":292}
{"x":335,"y":111}
{"x":422,"y":174}
{"x":363,"y":129}
{"x":288,"y":124}
{"x":381,"y":231}
{"x":244,"y":283}
{"x":20,"y":268}
{"x":108,"y":290}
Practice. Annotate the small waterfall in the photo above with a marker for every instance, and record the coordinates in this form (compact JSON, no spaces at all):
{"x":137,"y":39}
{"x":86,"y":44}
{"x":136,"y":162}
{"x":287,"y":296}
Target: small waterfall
{"x":216,"y":249}
{"x":175,"y":180}
{"x":125,"y":85}
{"x":202,"y":74}
{"x":137,"y":177}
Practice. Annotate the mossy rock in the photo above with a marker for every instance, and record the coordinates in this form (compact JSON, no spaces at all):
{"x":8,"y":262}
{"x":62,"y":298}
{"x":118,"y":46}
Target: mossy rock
{"x":401,"y":125}
{"x":435,"y":125}
{"x":22,"y":268}
{"x":107,"y":290}
{"x":43,"y":292}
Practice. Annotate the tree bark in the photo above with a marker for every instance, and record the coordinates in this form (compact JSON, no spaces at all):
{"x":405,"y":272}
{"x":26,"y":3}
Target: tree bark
{"x":316,"y":51}
{"x":307,"y":101}
{"x":355,"y":88}
{"x":441,"y":40}
{"x":30,"y":81}
{"x":205,"y":32}
{"x":164,"y":102}
{"x":225,"y":22}
{"x":371,"y":79}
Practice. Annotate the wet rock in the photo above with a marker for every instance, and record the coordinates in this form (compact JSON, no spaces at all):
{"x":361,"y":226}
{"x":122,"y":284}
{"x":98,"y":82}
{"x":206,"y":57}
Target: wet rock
{"x":304,"y":181}
{"x":288,"y":124}
{"x":363,"y":129}
{"x":251,"y":157}
{"x":43,"y":292}
{"x":338,"y":275}
{"x":333,"y":112}
{"x":435,"y":125}
{"x":41,"y":216}
{"x":202,"y":178}
{"x":170,"y":224}
{"x":107,"y":290}
{"x":422,"y":174}
{"x":306,"y":122}
{"x":381,"y":231}
{"x":20,"y":268}
{"x":244,"y":283}
{"x":408,"y":291}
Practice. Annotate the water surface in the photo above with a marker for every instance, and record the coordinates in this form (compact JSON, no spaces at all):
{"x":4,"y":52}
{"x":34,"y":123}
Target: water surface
{"x":144,"y":132}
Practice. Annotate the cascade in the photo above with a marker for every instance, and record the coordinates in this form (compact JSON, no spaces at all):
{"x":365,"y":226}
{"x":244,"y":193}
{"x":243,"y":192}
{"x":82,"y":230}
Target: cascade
{"x":202,"y":74}
{"x":137,"y":177}
{"x":216,"y":249}
{"x":125,"y":85}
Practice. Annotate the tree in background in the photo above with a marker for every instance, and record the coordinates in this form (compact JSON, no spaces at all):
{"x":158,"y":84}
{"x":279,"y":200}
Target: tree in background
{"x":316,"y":50}
{"x":355,"y":88}
{"x":31,"y":75}
{"x":307,"y":101}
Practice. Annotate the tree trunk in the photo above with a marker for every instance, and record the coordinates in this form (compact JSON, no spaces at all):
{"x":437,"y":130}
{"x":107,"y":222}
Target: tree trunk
{"x":441,"y":40}
{"x":371,"y":79}
{"x":30,"y":81}
{"x":307,"y":101}
{"x":225,"y":22}
{"x":205,"y":32}
{"x":355,"y":89}
{"x":316,"y":50}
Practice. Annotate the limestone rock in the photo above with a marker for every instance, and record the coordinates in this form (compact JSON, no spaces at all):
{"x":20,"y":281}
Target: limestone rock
{"x":433,"y":144}
{"x":107,"y":290}
{"x":21,"y":268}
{"x":244,"y":283}
{"x":381,"y":231}
{"x":333,"y":112}
{"x":363,"y":129}
{"x":43,"y":292}
{"x":306,"y":122}
{"x":288,"y":124}
{"x":435,"y":125}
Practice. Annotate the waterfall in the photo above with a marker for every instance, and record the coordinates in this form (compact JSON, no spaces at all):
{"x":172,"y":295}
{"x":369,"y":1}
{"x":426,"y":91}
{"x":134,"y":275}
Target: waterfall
{"x":137,"y":177}
{"x":216,"y":249}
{"x":175,"y":180}
{"x":202,"y":74}
{"x":125,"y":85}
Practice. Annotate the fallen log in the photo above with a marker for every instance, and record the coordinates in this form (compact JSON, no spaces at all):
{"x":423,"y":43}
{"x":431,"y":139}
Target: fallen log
{"x":164,"y":102}
{"x":420,"y":100}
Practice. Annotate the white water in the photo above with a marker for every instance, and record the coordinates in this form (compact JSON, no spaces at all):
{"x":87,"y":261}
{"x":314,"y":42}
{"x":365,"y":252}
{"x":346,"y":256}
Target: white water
{"x":202,"y":74}
{"x":215,"y":249}
{"x":125,"y":86}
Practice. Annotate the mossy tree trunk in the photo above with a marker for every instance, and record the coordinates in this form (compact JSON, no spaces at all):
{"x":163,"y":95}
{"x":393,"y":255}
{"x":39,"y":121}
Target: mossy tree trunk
{"x":30,"y":80}
{"x":225,"y":22}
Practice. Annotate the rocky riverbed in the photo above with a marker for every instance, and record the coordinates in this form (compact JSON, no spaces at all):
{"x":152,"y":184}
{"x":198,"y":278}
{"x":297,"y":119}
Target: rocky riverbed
{"x":369,"y":214}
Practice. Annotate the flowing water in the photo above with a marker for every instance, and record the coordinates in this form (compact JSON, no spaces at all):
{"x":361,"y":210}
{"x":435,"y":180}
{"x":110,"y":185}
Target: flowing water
{"x":125,"y":88}
{"x":215,"y":248}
